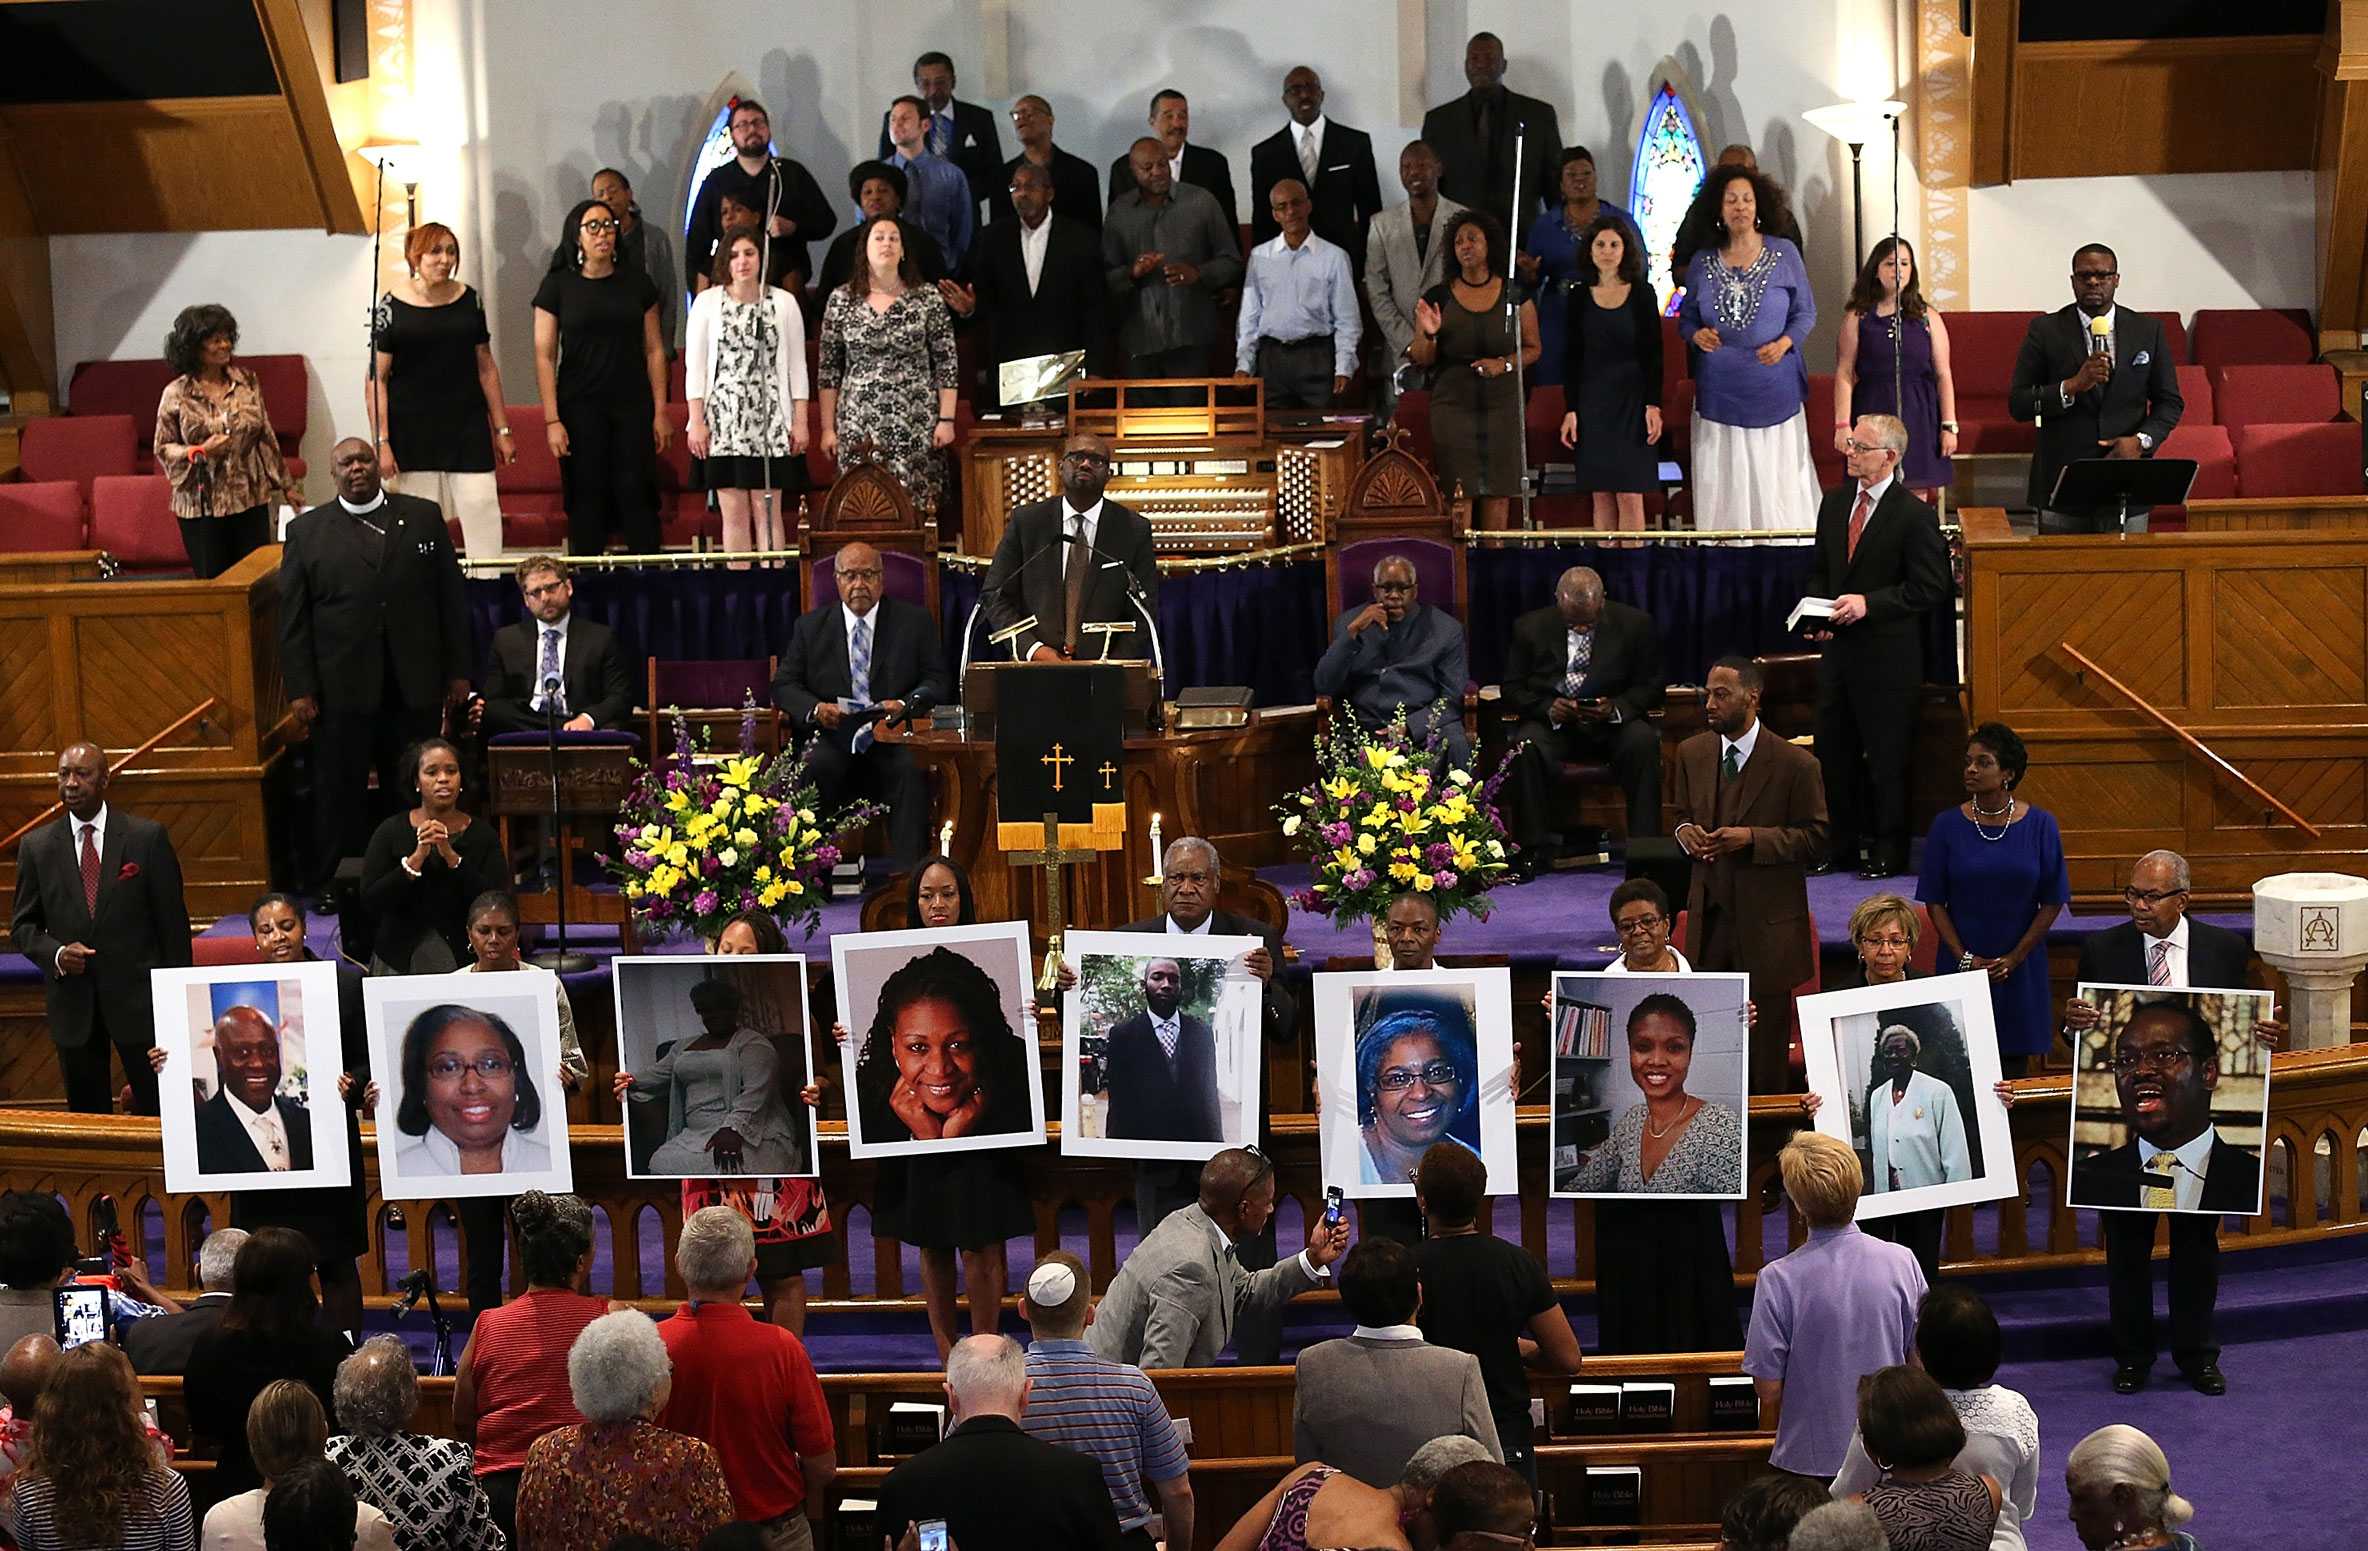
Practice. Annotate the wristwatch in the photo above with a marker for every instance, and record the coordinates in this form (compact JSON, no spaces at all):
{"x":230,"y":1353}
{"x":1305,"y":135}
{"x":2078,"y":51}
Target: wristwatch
{"x":1949,"y":425}
{"x":2145,"y":442}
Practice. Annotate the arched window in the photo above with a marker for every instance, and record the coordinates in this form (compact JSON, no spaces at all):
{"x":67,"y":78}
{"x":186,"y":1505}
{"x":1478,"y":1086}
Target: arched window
{"x":1667,"y":175}
{"x":714,"y":151}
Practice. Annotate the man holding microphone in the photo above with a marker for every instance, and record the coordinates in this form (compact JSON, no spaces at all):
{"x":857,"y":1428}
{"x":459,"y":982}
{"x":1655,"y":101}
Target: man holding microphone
{"x":2099,"y":382}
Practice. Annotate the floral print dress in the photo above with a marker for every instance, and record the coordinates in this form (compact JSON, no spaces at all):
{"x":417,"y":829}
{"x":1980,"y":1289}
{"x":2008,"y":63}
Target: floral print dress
{"x":888,"y":369}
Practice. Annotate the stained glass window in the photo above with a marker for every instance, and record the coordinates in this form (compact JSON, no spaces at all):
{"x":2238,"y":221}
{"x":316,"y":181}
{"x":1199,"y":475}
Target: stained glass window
{"x":1668,"y":173}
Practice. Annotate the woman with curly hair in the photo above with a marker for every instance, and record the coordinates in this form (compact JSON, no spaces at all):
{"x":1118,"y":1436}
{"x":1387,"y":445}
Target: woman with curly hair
{"x":90,"y":1476}
{"x":214,"y":443}
{"x":1418,"y":1069}
{"x":1748,"y":307}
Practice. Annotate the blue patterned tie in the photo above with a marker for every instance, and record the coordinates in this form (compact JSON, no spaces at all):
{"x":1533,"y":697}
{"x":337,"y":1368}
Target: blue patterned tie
{"x":547,"y":670}
{"x":1582,"y":653}
{"x":859,"y":657}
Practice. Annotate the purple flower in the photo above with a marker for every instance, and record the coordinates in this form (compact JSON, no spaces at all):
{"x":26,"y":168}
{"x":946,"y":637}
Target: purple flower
{"x":710,"y":866}
{"x":659,"y":907}
{"x":826,"y":856}
{"x":705,"y":902}
{"x":639,"y":859}
{"x":782,"y":819}
{"x":1439,"y":853}
{"x":1305,"y":899}
{"x":1336,"y":834}
{"x":1443,"y":878}
{"x":1406,"y":805}
{"x":674,"y":780}
{"x":1362,"y":878}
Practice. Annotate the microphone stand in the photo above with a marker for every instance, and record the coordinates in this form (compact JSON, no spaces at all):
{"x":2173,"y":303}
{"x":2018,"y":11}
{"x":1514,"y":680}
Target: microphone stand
{"x":556,"y":958}
{"x":1513,"y":326}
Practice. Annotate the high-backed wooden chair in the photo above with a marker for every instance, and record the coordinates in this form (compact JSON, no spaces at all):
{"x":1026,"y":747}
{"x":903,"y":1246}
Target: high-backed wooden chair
{"x":710,"y":692}
{"x":868,"y":504}
{"x":1394,"y":507}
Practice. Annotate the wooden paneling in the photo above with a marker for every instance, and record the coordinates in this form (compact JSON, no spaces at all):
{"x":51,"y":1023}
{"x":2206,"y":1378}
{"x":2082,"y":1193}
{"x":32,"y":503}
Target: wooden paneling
{"x":1995,"y":23}
{"x":2340,"y":158}
{"x":185,"y":164}
{"x":2140,"y":108}
{"x":28,"y":328}
{"x":2277,"y":513}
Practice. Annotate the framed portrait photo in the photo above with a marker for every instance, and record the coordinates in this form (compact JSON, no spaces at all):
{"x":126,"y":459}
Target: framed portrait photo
{"x":1161,"y":1046}
{"x":942,"y":1053}
{"x":1409,"y":1058}
{"x":2170,"y":1101}
{"x":718,"y":1052}
{"x":1649,"y":1085}
{"x":248,"y":1096}
{"x":469,"y":1099}
{"x":1907,"y":1074}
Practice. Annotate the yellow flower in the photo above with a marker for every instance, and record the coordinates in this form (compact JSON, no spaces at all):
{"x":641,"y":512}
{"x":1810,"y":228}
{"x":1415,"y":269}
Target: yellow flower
{"x":764,"y":874}
{"x":770,"y":897}
{"x":1377,"y":756}
{"x":752,"y":805}
{"x":1345,"y":858}
{"x":1403,"y":871}
{"x":1376,"y":816}
{"x":679,"y":854}
{"x":744,"y":836}
{"x":633,"y":891}
{"x":1422,"y":881}
{"x":678,"y":801}
{"x":793,"y":885}
{"x":651,"y":832}
{"x":741,"y":770}
{"x":1340,"y":788}
{"x":1365,"y":844}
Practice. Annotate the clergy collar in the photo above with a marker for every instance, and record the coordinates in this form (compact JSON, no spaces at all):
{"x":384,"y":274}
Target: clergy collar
{"x":373,"y":504}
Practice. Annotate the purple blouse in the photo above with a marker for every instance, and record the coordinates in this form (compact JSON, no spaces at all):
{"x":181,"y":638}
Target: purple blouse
{"x":1836,"y":1309}
{"x":1749,"y":307}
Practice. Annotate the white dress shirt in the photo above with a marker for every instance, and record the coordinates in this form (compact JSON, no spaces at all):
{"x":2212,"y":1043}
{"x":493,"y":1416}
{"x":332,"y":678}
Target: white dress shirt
{"x":1168,"y":1031}
{"x":2112,"y":317}
{"x":1874,"y":495}
{"x":541,"y":632}
{"x":1087,"y":522}
{"x":2192,"y":1157}
{"x":264,"y":1130}
{"x":371,"y":505}
{"x":2177,"y":962}
{"x":1388,"y":1332}
{"x":1742,"y":746}
{"x":1201,"y":930}
{"x":1034,"y":241}
{"x":97,"y":825}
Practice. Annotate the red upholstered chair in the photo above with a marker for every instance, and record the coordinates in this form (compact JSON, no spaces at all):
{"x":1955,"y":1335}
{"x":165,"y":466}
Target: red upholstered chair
{"x":79,"y":448}
{"x":676,"y":375}
{"x":1809,"y":987}
{"x":2276,"y":395}
{"x":2195,"y":388}
{"x":2174,"y":334}
{"x":210,"y":951}
{"x":711,"y":691}
{"x":534,"y":509}
{"x":683,"y":517}
{"x":286,"y":399}
{"x":131,"y":517}
{"x":1413,"y":416}
{"x":1673,"y":359}
{"x":2284,"y":460}
{"x":1828,"y":463}
{"x":2215,"y":466}
{"x":40,"y":515}
{"x":2253,"y":336}
{"x":122,"y":388}
{"x":1982,"y":348}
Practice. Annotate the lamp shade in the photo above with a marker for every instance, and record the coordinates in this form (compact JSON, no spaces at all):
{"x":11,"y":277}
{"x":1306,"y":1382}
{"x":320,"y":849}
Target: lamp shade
{"x":398,"y":160}
{"x":1856,"y":123}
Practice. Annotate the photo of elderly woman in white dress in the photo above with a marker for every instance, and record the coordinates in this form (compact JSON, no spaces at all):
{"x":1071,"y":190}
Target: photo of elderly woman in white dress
{"x":1914,"y":1129}
{"x":713,"y":1056}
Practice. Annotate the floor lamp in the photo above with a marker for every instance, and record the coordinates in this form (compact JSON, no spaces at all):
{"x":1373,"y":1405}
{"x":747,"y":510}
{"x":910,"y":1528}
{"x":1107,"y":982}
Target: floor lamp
{"x":1854,"y":124}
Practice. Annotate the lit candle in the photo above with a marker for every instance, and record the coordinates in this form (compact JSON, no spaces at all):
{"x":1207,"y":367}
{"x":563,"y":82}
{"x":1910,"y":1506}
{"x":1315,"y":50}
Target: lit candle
{"x":1158,"y":853}
{"x":945,"y":838}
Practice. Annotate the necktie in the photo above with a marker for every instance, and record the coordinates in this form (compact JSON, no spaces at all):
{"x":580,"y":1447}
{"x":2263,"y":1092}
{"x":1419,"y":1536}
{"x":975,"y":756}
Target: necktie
{"x":90,"y":868}
{"x":547,"y":669}
{"x":1582,"y":653}
{"x":859,"y":674}
{"x":1073,"y":584}
{"x":2158,"y":964}
{"x":2161,"y":1191}
{"x":1168,"y":1034}
{"x":1307,"y":155}
{"x":941,"y":132}
{"x":275,"y":1142}
{"x":1858,"y":517}
{"x":1729,"y":767}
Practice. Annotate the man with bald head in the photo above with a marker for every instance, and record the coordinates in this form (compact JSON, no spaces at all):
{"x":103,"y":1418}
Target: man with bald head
{"x":1038,"y":274}
{"x":1168,"y":252}
{"x":249,"y":1126}
{"x":1333,"y":161}
{"x":1299,"y":325}
{"x":374,"y":644}
{"x":1475,"y":134}
{"x":99,"y":905}
{"x":851,"y":666}
{"x":1585,"y":678}
{"x":1204,"y":167}
{"x":1071,"y":560}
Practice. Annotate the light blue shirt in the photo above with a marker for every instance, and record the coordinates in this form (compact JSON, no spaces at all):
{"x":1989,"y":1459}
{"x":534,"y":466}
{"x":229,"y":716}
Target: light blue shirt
{"x":1298,"y":293}
{"x":937,"y":199}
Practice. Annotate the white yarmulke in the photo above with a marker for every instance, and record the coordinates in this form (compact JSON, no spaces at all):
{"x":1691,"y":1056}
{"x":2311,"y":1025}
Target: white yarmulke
{"x":1050,"y":1285}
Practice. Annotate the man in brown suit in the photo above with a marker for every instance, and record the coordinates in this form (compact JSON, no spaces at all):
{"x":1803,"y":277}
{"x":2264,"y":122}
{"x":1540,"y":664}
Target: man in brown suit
{"x":1751,"y":813}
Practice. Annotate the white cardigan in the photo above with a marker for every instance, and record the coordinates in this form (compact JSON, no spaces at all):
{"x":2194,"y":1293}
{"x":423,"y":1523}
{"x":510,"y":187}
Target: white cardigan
{"x":705,"y":332}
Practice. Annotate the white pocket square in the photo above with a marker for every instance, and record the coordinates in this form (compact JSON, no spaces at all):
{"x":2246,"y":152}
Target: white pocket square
{"x":2143,"y":357}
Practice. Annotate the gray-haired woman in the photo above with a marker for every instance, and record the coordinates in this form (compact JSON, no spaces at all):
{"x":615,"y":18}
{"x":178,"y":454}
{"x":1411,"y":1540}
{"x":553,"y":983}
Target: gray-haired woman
{"x":2120,"y":1486}
{"x":427,"y":1487}
{"x":618,"y":1473}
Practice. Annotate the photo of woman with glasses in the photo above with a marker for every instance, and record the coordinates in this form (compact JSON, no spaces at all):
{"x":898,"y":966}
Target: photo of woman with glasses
{"x":1418,"y":1082}
{"x":474,"y":1107}
{"x":1432,"y":1053}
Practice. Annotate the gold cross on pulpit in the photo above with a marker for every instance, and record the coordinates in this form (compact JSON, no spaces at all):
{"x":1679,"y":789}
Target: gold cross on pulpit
{"x":1109,"y":775}
{"x":1058,"y":761}
{"x":1051,"y":856}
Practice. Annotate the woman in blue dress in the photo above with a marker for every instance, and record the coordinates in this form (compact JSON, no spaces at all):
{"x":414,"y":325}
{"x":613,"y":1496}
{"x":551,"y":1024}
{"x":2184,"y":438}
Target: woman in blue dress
{"x":1891,"y":335}
{"x":1994,"y":878}
{"x":1747,"y":309}
{"x":1553,"y":260}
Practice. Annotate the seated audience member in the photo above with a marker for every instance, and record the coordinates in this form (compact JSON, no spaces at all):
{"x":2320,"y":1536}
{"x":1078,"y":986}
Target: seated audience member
{"x":878,"y":189}
{"x":2100,"y":381}
{"x":1366,"y":1401}
{"x":1484,"y":1296}
{"x":1481,"y":1506}
{"x":1398,"y":652}
{"x":1299,"y":327}
{"x":1926,"y":1499}
{"x":313,"y":1507}
{"x":24,"y":1372}
{"x":1167,"y":251}
{"x":1174,"y":1302}
{"x":271,"y":1331}
{"x":2120,"y":1485}
{"x":1836,"y":1309}
{"x":163,"y":1345}
{"x":867,"y":650}
{"x":1585,"y":677}
{"x":1106,"y":1410}
{"x":1839,"y":1527}
{"x":595,"y":686}
{"x":1038,"y":281}
{"x":937,"y":195}
{"x":987,"y":1466}
{"x":1761,"y":1516}
{"x":746,"y":1388}
{"x":427,"y":1487}
{"x":511,"y":1384}
{"x":617,"y":1472}
{"x":1317,"y":1505}
{"x":1958,"y":1343}
{"x":90,"y":1473}
{"x":1076,"y":189}
{"x":1406,"y":257}
{"x":37,"y":1255}
{"x":286,"y":1429}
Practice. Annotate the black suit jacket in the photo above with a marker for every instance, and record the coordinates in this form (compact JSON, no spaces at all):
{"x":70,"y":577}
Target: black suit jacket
{"x":224,"y":1147}
{"x":2142,"y":395}
{"x":1902,"y":569}
{"x":1464,"y":162}
{"x":1076,"y":192}
{"x":142,"y":924}
{"x":1025,"y":576}
{"x":162,"y":1344}
{"x":1281,"y":1008}
{"x":796,"y":195}
{"x":2217,"y":958}
{"x":977,"y":148}
{"x":592,"y":668}
{"x":978,"y":1476}
{"x":1203,"y":168}
{"x":1347,"y":191}
{"x":908,"y":662}
{"x":2232,"y":1178}
{"x":1624,"y":666}
{"x":1069,"y":310}
{"x":350,"y":599}
{"x":1153,"y":1100}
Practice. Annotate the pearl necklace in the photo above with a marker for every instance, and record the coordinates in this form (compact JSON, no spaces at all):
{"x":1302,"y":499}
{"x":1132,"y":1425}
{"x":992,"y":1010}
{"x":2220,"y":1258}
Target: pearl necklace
{"x":1980,"y":813}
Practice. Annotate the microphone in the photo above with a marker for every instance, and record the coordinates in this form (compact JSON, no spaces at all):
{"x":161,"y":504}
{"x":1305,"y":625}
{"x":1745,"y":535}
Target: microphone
{"x":551,"y":684}
{"x":2100,"y":337}
{"x":415,"y":1287}
{"x":914,"y":706}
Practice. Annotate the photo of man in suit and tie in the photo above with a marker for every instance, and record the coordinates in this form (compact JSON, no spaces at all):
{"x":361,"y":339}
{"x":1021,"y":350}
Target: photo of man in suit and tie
{"x":1165,"y":1048}
{"x":2171,"y":1088}
{"x":249,"y":1126}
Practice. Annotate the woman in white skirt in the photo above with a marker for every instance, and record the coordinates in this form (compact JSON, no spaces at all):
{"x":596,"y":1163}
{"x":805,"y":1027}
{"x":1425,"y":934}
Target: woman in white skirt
{"x":1747,"y":308}
{"x":744,"y":371}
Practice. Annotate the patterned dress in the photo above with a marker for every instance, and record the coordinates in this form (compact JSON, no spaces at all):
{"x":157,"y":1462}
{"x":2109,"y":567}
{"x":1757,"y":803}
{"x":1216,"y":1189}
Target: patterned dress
{"x":888,"y":369}
{"x":1287,"y":1530}
{"x":587,"y":1485}
{"x":426,"y":1487}
{"x":745,"y":414}
{"x":1704,"y":1161}
{"x":248,"y":475}
{"x":1950,"y":1513}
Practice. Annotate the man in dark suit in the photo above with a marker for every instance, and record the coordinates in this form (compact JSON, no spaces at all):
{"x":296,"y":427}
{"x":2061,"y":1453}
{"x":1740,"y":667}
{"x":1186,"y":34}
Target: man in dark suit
{"x":986,"y":1466}
{"x":866,"y":653}
{"x":1075,"y":188}
{"x":1040,"y":287}
{"x":1881,"y":559}
{"x":1398,"y":652}
{"x":1068,"y":586}
{"x":962,"y":132}
{"x":163,"y":1344}
{"x":596,"y":688}
{"x":1333,"y":160}
{"x":1171,"y":125}
{"x":1473,"y":136}
{"x":2100,"y":382}
{"x":1750,"y":811}
{"x":98,"y":905}
{"x":248,"y":1126}
{"x":1162,"y":1082}
{"x":374,"y":644}
{"x":1585,"y":677}
{"x":2162,"y":945}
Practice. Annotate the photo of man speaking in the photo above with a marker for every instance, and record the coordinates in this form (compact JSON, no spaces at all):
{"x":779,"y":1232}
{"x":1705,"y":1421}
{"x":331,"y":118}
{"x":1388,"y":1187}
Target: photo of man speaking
{"x":1161,"y":1084}
{"x":248,"y":1126}
{"x":2166,"y":1066}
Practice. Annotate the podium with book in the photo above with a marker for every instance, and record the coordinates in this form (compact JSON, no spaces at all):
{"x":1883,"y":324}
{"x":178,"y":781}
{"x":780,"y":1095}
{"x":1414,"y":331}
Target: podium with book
{"x":1059,"y":732}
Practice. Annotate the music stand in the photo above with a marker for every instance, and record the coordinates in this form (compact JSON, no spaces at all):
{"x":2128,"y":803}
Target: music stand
{"x":2101,"y":495}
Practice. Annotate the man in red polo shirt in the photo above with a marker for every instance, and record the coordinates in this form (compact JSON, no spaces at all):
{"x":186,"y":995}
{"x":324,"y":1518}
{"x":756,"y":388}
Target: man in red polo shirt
{"x":747,"y":1388}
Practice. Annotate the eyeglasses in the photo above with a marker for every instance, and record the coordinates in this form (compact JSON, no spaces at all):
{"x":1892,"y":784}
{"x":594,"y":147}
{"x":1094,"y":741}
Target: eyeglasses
{"x":2128,"y":1063}
{"x":1086,"y":459}
{"x":1643,"y":923}
{"x":860,"y":574}
{"x":545,"y":589}
{"x":1853,"y":444}
{"x":599,"y":226}
{"x":2150,"y":897}
{"x":1438,"y":1074}
{"x":449,"y":1068}
{"x":1883,"y":942}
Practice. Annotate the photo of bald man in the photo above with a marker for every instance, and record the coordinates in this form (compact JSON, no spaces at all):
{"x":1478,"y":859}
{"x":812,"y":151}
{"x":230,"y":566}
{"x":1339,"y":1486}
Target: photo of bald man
{"x":249,"y":1126}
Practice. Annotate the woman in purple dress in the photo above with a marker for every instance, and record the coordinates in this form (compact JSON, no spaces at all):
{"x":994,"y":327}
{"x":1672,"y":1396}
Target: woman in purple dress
{"x":1890,"y":334}
{"x":1995,"y":880}
{"x":1747,"y":308}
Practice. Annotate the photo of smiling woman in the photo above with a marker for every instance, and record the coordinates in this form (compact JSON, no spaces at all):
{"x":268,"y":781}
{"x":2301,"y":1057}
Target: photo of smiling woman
{"x":474,"y":1106}
{"x":1433,"y":1054}
{"x":1648,"y":1085}
{"x":1418,"y":1082}
{"x":944,"y":1059}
